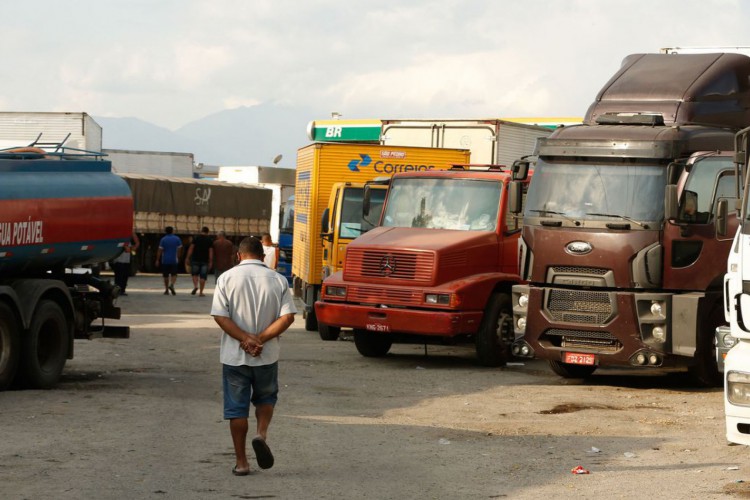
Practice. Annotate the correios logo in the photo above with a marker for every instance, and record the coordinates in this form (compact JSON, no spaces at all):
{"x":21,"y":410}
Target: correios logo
{"x":385,"y":167}
{"x":363,"y":162}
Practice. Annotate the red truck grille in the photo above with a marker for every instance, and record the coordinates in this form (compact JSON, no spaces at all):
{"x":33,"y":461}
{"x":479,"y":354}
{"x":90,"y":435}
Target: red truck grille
{"x":413,"y":266}
{"x":374,"y":295}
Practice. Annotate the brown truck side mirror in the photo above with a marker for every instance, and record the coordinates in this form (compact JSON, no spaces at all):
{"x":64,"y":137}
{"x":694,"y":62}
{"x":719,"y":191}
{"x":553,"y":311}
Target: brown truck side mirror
{"x":520,"y":170}
{"x":515,"y":197}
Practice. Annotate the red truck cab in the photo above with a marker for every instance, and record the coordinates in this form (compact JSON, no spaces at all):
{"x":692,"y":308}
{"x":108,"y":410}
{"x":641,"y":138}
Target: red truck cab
{"x":438,"y":269}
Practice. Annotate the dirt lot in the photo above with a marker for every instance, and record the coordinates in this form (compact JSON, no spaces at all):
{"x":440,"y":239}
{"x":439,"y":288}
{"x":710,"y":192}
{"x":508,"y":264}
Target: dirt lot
{"x":141,"y":418}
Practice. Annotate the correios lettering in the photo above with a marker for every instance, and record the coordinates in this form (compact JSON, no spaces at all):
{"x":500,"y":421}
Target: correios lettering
{"x":392,"y":168}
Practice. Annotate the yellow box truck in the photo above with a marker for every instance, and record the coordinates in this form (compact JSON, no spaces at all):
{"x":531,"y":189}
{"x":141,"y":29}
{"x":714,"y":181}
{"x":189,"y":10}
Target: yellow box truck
{"x":321,"y":165}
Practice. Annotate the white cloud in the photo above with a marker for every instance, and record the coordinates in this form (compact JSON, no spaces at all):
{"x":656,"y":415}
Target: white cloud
{"x":171,"y":62}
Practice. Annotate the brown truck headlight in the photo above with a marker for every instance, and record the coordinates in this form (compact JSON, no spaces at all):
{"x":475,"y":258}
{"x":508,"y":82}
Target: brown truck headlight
{"x":335,"y":291}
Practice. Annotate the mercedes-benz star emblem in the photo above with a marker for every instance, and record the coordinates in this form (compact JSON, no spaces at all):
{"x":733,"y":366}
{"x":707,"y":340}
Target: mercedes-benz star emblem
{"x":387,"y":265}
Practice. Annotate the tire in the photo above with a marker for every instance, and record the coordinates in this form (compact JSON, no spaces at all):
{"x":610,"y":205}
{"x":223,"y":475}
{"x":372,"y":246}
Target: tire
{"x":311,"y":319}
{"x":567,"y":370}
{"x":705,"y":372}
{"x":372,"y":345}
{"x":328,"y":332}
{"x":10,"y":346}
{"x":44,"y":349}
{"x":495,"y":335}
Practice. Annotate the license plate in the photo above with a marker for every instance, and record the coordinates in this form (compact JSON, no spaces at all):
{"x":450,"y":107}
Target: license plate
{"x":377,"y":327}
{"x":575,"y":358}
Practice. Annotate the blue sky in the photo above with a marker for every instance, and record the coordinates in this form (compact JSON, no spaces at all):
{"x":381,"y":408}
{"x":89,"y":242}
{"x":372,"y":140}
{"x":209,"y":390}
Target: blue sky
{"x":171,"y":62}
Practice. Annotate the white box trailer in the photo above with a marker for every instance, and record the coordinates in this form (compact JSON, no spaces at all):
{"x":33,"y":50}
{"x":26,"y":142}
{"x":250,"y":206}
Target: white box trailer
{"x":165,"y":164}
{"x":22,"y":128}
{"x":491,"y":141}
{"x":278,"y":179}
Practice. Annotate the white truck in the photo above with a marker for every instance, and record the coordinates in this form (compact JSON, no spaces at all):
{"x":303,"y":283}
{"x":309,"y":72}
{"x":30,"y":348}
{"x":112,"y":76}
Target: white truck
{"x":491,"y":142}
{"x":278,"y":179}
{"x":737,"y":312}
{"x":76,"y":130}
{"x":165,"y":164}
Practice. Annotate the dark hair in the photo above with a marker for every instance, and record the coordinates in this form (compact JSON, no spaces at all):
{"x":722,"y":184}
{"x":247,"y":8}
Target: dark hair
{"x":169,"y":229}
{"x":204,"y":230}
{"x":251,"y":246}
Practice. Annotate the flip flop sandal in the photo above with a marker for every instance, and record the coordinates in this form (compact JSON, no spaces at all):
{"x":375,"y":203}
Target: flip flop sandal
{"x":237,"y":472}
{"x":262,"y":453}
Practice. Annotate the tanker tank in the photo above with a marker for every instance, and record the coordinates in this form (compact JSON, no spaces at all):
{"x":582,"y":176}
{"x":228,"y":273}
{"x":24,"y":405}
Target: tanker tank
{"x":57,"y":213}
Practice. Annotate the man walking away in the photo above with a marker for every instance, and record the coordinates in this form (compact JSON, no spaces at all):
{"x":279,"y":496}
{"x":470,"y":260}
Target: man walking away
{"x":223,"y":254}
{"x":168,"y":256}
{"x":253,"y":306}
{"x":199,"y":260}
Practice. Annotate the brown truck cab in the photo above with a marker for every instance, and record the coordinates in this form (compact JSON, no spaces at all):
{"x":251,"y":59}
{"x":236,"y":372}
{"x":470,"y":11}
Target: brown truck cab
{"x":438,"y":269}
{"x":630,"y":218}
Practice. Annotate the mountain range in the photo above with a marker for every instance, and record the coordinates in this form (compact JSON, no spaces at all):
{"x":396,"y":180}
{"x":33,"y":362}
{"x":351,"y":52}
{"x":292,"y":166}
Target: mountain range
{"x":252,"y":135}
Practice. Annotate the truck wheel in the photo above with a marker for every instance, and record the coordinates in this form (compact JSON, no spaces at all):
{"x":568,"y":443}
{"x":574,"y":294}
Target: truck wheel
{"x":567,"y":370}
{"x":311,"y":320}
{"x":372,"y":345}
{"x":10,"y":348}
{"x":706,"y":371}
{"x":328,"y":332}
{"x":495,"y":335}
{"x":44,"y":349}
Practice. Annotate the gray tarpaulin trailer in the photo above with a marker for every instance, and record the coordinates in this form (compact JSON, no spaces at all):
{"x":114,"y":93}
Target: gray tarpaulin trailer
{"x":189,"y":204}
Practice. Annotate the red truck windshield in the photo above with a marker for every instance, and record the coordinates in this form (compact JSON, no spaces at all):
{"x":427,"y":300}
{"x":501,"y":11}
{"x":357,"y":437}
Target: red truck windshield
{"x":460,"y":204}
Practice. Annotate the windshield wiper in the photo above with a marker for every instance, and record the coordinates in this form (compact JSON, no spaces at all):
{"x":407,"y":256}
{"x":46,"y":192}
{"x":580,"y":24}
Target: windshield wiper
{"x":545,"y":212}
{"x":618,"y":216}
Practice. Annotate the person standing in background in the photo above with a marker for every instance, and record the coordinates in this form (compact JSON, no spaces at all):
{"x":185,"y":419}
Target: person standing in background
{"x":121,"y":264}
{"x":223,"y":254}
{"x":270,"y":258}
{"x":168,"y":257}
{"x":199,"y":260}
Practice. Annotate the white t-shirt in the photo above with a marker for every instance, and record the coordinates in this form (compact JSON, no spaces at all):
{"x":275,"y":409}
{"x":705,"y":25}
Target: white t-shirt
{"x":253,"y":296}
{"x":270,"y":257}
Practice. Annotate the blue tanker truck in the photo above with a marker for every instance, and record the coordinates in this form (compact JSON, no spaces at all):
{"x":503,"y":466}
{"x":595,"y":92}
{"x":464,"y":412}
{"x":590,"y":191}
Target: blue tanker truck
{"x":58,"y":211}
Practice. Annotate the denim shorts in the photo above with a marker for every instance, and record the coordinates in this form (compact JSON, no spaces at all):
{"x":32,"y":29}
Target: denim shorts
{"x":199,"y":269}
{"x":243,"y":385}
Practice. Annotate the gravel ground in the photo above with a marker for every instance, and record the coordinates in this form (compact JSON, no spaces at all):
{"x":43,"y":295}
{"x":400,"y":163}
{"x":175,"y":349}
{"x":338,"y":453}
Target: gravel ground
{"x":141,"y":418}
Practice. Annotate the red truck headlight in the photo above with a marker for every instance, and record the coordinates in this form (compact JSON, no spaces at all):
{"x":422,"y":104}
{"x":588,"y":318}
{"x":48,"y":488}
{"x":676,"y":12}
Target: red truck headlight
{"x":335,"y":291}
{"x":442,"y":299}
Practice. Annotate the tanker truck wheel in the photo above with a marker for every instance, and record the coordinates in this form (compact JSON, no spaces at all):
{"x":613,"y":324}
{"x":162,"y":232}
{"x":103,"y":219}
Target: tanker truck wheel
{"x":328,"y":332}
{"x":10,"y":346}
{"x":495,"y":335}
{"x":372,"y":345}
{"x":567,"y":370}
{"x":44,"y":349}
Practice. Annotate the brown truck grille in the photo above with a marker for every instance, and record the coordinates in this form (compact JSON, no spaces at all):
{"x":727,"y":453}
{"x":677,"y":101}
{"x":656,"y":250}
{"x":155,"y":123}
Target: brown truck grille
{"x":578,"y":270}
{"x":575,"y":306}
{"x":416,"y":266}
{"x":375,"y":295}
{"x":600,"y":341}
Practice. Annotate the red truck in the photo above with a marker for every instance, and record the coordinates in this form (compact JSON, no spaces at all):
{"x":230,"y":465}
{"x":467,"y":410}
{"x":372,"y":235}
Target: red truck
{"x":58,"y":211}
{"x":628,"y":224}
{"x":438,"y":269}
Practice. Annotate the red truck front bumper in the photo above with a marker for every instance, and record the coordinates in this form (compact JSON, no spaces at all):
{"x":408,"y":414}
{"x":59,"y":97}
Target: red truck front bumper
{"x":398,"y":320}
